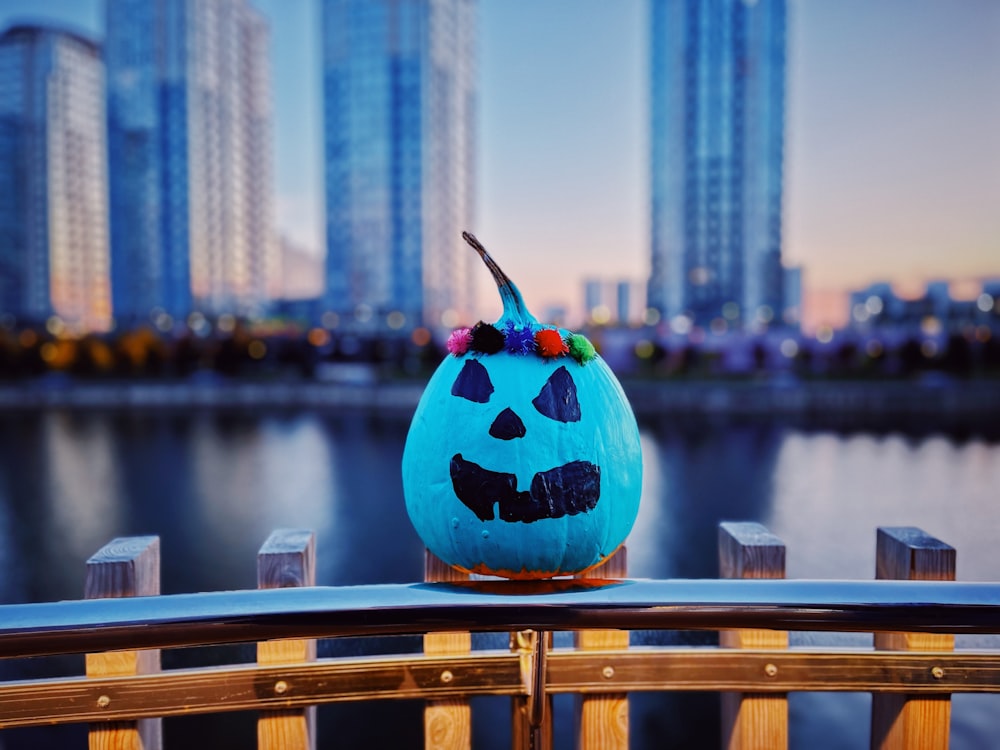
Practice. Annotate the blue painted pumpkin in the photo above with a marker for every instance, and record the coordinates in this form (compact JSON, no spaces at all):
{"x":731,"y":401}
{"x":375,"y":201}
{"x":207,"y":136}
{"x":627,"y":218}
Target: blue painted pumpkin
{"x":522,"y":459}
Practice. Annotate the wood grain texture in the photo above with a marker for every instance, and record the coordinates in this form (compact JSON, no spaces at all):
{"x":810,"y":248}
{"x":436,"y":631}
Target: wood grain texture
{"x":752,"y":720}
{"x":287,"y":559}
{"x":603,"y":717}
{"x":126,"y":566}
{"x":749,"y":550}
{"x":447,"y":722}
{"x":909,"y":721}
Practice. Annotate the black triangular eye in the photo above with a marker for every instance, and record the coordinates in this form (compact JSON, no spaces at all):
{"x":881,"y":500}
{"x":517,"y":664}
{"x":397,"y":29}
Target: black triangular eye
{"x":557,"y":399}
{"x":473,"y":383}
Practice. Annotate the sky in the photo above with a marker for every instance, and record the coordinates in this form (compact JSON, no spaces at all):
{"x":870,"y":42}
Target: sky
{"x":892,"y":168}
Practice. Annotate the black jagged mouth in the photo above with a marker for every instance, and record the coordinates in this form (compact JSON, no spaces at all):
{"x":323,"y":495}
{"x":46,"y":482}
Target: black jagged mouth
{"x":566,"y":490}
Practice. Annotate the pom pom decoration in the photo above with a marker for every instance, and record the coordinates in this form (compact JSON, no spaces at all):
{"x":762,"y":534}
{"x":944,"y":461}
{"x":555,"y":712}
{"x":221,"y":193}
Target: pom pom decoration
{"x":486,"y":339}
{"x":518,"y":340}
{"x":459,"y":341}
{"x":549,"y":343}
{"x":521,"y":466}
{"x":581,"y":349}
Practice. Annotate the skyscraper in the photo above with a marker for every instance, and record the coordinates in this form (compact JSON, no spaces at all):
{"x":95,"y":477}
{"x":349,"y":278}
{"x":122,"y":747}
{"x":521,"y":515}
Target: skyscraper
{"x":53,"y":179}
{"x":399,"y":103}
{"x":189,"y":127}
{"x":717,"y":131}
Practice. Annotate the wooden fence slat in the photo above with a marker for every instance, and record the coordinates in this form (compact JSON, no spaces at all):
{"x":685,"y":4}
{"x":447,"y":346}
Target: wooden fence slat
{"x":287,"y":559}
{"x":900,"y":720}
{"x":126,"y":566}
{"x":603,"y":718}
{"x":447,"y":722}
{"x":752,"y":720}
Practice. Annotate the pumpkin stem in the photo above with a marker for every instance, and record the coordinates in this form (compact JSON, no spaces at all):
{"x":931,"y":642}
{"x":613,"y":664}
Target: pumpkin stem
{"x":514,"y":308}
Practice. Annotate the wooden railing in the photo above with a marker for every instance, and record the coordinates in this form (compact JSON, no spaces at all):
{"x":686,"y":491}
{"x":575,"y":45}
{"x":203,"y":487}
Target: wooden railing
{"x":912,"y":670}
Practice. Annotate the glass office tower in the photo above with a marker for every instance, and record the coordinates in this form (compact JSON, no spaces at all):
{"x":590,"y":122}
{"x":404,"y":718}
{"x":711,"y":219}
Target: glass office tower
{"x":716,"y":138}
{"x":399,"y":102}
{"x":189,"y":128}
{"x":53,"y":180}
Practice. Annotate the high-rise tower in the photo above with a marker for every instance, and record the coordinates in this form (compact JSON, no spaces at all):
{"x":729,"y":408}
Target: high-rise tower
{"x":53,"y":179}
{"x":189,"y":127}
{"x":399,"y":102}
{"x":716,"y":136}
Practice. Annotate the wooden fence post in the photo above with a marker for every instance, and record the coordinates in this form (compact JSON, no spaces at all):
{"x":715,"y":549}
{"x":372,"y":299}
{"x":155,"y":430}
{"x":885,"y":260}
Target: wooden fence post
{"x":447,"y":722}
{"x":752,"y":720}
{"x":603,"y":718}
{"x":910,"y":721}
{"x":286,"y":560}
{"x":127,"y":566}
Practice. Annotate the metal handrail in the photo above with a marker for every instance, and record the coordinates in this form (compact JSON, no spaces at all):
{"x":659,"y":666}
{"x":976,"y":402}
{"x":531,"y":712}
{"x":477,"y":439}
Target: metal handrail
{"x":244,"y":687}
{"x":563,"y":604}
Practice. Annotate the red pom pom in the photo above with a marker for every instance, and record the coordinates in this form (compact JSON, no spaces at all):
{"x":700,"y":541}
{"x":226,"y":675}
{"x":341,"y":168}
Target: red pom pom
{"x":549,"y":343}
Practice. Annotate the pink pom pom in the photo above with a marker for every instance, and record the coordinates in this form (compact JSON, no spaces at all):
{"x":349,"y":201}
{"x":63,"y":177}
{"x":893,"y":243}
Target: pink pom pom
{"x":459,"y":340}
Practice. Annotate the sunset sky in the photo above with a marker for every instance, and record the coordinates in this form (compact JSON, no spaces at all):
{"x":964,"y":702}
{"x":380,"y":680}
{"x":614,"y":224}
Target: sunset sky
{"x":892,"y":140}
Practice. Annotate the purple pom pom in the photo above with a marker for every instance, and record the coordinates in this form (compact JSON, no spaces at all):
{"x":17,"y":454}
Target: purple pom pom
{"x":518,"y":340}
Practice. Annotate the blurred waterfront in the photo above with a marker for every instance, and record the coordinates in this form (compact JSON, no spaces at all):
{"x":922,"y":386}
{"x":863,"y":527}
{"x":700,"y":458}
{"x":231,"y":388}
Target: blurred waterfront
{"x":213,"y":483}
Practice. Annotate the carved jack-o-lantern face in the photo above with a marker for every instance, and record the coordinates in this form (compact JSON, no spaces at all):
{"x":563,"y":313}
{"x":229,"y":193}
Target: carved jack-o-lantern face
{"x":564,"y":490}
{"x":519,"y":464}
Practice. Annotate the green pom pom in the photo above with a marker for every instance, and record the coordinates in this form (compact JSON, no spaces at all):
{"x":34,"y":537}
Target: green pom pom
{"x":581,"y":349}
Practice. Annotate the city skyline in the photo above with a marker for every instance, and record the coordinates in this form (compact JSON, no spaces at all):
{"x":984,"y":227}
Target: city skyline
{"x":55,"y":256}
{"x":717,"y":136}
{"x":398,"y":128}
{"x":892,"y":171}
{"x":190,"y":160}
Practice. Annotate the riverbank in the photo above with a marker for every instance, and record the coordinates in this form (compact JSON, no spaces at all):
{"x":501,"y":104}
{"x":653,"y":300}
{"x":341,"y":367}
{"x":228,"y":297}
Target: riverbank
{"x":396,"y":397}
{"x":975,"y":400}
{"x":972,"y":399}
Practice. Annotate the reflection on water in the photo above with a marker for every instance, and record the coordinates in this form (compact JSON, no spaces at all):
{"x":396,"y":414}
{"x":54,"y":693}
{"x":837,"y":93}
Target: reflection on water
{"x":851,"y":485}
{"x":699,"y":473}
{"x":81,"y":483}
{"x":213,"y":486}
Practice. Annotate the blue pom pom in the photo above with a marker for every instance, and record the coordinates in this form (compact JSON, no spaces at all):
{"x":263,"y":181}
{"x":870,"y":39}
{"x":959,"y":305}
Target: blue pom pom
{"x":518,"y":340}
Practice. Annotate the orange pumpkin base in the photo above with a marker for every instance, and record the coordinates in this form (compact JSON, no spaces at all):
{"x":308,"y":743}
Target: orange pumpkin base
{"x":531,"y":575}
